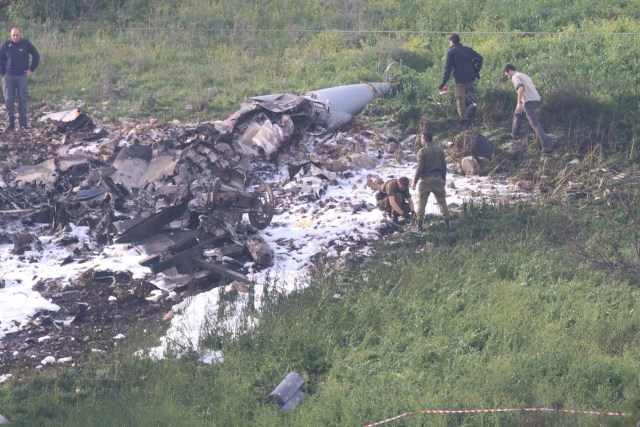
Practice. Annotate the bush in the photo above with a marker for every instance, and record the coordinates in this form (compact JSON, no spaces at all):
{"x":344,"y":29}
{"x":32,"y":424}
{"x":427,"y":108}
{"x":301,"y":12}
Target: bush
{"x":115,"y":11}
{"x":570,"y":104}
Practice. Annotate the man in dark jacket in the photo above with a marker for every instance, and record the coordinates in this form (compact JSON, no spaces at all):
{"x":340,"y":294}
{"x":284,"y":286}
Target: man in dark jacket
{"x":431,"y":172}
{"x":465,"y":63}
{"x":16,"y":67}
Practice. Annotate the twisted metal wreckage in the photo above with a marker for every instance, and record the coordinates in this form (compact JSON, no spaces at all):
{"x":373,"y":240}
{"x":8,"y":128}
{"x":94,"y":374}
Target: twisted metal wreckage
{"x":180,"y":198}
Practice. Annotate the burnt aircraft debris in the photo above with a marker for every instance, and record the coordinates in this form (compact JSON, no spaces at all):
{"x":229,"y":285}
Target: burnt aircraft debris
{"x":178,"y":193}
{"x":288,"y":394}
{"x":338,"y":105}
{"x":272,"y":120}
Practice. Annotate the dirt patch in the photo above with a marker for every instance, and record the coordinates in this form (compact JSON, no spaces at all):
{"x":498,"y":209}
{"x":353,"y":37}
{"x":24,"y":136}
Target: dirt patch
{"x":91,"y":317}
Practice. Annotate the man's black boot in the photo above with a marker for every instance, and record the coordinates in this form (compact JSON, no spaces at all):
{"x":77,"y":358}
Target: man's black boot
{"x":420,"y":227}
{"x":10,"y":127}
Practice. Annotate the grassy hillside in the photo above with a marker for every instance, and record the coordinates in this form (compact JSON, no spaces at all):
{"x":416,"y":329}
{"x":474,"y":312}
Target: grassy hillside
{"x":505,"y":312}
{"x":533,"y":305}
{"x":199,"y":60}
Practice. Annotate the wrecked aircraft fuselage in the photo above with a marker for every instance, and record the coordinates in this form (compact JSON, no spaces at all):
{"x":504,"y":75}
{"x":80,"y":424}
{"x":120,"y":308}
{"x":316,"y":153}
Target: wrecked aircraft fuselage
{"x":177,"y":193}
{"x":338,"y":105}
{"x":272,"y":120}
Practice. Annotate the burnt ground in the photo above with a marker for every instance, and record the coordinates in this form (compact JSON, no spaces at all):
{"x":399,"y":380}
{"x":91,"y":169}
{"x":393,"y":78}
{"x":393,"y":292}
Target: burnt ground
{"x":100,"y":306}
{"x":91,"y":315}
{"x":88,"y":319}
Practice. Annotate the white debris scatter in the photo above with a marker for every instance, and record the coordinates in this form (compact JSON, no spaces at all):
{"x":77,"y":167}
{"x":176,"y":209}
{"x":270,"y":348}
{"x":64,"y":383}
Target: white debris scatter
{"x":323,"y":204}
{"x":210,"y":357}
{"x":48,"y":360}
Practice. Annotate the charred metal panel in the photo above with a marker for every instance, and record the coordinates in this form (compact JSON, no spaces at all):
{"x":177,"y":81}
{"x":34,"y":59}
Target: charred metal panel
{"x":131,"y":164}
{"x":159,"y":167}
{"x":153,"y":224}
{"x":43,"y":173}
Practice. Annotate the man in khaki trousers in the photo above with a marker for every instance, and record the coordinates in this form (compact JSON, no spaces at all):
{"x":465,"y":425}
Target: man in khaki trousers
{"x":464,"y":62}
{"x":431,"y":173}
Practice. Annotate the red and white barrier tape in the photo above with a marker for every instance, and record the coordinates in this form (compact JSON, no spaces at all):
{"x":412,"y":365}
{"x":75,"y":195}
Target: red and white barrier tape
{"x":485,"y":411}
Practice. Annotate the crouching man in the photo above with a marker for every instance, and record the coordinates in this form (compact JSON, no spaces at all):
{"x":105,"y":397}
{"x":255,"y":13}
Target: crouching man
{"x":395,"y":199}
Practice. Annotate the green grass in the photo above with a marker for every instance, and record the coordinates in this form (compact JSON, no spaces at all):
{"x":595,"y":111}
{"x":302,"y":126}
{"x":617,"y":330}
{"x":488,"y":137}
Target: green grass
{"x":504,"y":317}
{"x":584,"y":67}
{"x":531,"y":305}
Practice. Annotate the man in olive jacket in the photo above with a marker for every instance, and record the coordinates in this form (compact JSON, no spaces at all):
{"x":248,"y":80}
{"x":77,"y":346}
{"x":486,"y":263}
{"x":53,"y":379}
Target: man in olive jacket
{"x":396,"y":199}
{"x":465,"y":63}
{"x":431,"y":172}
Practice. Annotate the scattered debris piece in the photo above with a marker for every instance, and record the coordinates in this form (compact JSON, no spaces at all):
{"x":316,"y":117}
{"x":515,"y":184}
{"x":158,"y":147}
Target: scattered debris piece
{"x":192,"y":199}
{"x":193,"y":206}
{"x":288,"y":393}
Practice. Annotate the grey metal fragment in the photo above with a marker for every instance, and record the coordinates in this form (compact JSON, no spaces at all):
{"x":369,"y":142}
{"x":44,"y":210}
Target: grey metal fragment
{"x":288,"y":393}
{"x":67,"y":162}
{"x":340,"y":104}
{"x":153,"y":224}
{"x":131,"y":165}
{"x":42,"y":173}
{"x":271,"y":135}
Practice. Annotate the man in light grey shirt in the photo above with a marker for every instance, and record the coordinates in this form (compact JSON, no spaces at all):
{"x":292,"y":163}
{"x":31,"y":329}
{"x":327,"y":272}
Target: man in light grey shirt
{"x":528,"y":102}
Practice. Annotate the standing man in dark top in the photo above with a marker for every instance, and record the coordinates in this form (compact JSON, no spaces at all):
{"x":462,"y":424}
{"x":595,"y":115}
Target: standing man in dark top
{"x":431,"y":172}
{"x":397,"y":199}
{"x":460,"y":60}
{"x":16,"y":67}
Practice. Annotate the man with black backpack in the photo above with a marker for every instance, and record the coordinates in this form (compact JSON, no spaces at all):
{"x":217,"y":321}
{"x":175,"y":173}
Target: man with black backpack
{"x":466,"y":64}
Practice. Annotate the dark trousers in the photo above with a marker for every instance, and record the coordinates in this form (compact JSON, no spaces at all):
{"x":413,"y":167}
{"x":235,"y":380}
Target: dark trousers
{"x":530,"y":111}
{"x":15,"y":87}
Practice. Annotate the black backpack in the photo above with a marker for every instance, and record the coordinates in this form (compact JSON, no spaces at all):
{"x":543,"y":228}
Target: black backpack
{"x":476,"y":59}
{"x":477,"y":66}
